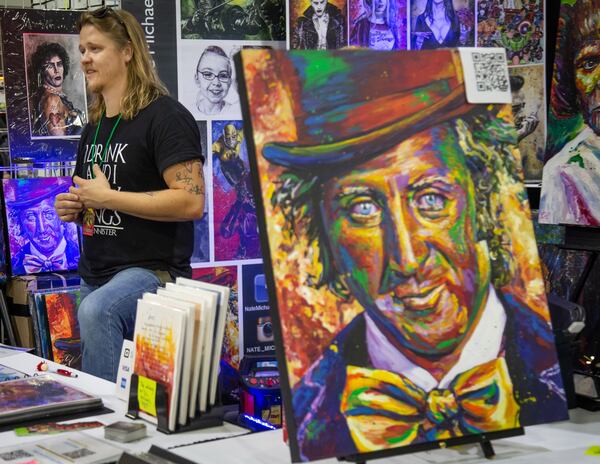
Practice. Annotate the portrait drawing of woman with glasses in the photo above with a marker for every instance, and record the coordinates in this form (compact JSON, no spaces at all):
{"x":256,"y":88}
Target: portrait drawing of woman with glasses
{"x":213,"y":77}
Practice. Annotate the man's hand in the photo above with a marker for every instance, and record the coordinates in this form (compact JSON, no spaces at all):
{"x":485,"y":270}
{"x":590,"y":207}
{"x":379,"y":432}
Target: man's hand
{"x":68,"y":207}
{"x":92,"y":193}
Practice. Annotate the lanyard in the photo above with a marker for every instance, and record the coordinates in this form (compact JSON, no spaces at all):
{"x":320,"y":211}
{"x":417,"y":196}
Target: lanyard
{"x":103,"y":157}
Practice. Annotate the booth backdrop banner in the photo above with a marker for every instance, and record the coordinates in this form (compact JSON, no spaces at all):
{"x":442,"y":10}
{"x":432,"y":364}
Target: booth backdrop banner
{"x":45,"y":100}
{"x":515,"y":25}
{"x":159,"y":23}
{"x":399,"y":252}
{"x":571,"y":181}
{"x":208,"y":35}
{"x":39,"y":241}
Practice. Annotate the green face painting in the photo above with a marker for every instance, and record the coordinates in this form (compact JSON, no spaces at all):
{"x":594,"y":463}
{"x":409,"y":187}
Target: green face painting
{"x":401,"y":229}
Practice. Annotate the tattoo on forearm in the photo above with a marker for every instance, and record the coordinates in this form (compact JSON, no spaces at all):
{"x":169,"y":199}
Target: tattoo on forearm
{"x":184,"y":176}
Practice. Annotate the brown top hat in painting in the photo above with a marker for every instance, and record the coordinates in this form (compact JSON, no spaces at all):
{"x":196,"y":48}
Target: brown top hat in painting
{"x":351,"y":105}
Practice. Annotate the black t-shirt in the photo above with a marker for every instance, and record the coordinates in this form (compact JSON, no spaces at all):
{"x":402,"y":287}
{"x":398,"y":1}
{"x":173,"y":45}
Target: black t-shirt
{"x":161,"y":135}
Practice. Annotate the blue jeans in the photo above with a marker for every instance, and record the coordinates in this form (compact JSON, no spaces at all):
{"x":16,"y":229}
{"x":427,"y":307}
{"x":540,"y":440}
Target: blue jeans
{"x":106,"y":317}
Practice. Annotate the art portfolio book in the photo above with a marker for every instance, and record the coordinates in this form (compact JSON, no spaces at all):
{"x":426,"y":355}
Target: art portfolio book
{"x":42,"y":396}
{"x":408,"y":302}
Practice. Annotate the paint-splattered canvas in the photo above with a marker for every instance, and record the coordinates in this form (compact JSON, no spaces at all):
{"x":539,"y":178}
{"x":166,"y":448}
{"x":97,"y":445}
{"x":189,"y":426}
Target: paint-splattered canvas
{"x":234,"y":213}
{"x":61,"y":308}
{"x":571,"y":176}
{"x":399,"y":252}
{"x":45,"y":98}
{"x":39,"y":242}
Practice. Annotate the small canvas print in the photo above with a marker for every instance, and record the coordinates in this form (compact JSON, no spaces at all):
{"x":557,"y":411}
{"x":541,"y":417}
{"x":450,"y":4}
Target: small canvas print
{"x":237,"y":20}
{"x":207,"y":76}
{"x":61,"y":308}
{"x":516,"y":25}
{"x":201,"y":251}
{"x":318,"y":24}
{"x":378,"y":24}
{"x":529,"y":111}
{"x":55,"y":85}
{"x":234,"y":210}
{"x":230,"y":356}
{"x":38,"y":240}
{"x":571,"y":176}
{"x":408,"y":308}
{"x":441,"y":24}
{"x":45,"y":94}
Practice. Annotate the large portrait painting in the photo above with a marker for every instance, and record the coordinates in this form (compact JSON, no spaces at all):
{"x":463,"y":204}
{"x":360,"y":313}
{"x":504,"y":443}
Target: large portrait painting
{"x":571,"y":176}
{"x":55,"y":85}
{"x":38,"y":240}
{"x":407,"y":299}
{"x":45,"y":98}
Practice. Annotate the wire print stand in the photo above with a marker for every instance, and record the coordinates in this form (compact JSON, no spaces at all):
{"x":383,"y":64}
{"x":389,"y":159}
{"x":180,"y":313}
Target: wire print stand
{"x":211,"y":418}
{"x":484,"y":440}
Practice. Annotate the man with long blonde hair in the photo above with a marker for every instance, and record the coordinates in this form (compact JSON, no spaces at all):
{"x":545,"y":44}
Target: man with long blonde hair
{"x":138,"y":185}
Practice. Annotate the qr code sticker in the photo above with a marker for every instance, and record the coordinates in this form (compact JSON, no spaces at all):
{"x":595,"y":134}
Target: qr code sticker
{"x":485,"y":75}
{"x":489,"y":71}
{"x":14,"y":455}
{"x":78,"y":453}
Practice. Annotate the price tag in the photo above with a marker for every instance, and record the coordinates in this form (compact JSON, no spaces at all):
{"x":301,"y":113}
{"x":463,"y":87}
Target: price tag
{"x":147,"y":395}
{"x":593,"y":451}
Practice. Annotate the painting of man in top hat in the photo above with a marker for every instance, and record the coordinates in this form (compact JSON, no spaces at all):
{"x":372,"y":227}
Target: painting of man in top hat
{"x":407,"y":291}
{"x":55,"y":85}
{"x":39,"y":242}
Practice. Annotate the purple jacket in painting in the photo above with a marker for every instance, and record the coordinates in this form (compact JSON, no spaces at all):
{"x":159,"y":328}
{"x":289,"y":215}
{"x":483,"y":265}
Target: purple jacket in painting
{"x":529,"y":353}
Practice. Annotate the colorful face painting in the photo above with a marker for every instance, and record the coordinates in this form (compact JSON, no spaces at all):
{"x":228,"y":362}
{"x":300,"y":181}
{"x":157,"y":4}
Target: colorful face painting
{"x":318,"y":24}
{"x":378,"y":24}
{"x":400,"y":287}
{"x":516,"y":25}
{"x":442,"y":24}
{"x":236,"y":232}
{"x":571,"y":177}
{"x":39,"y":241}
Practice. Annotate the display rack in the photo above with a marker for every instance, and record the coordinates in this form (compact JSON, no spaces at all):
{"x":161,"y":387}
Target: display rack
{"x":585,"y":239}
{"x":211,"y":418}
